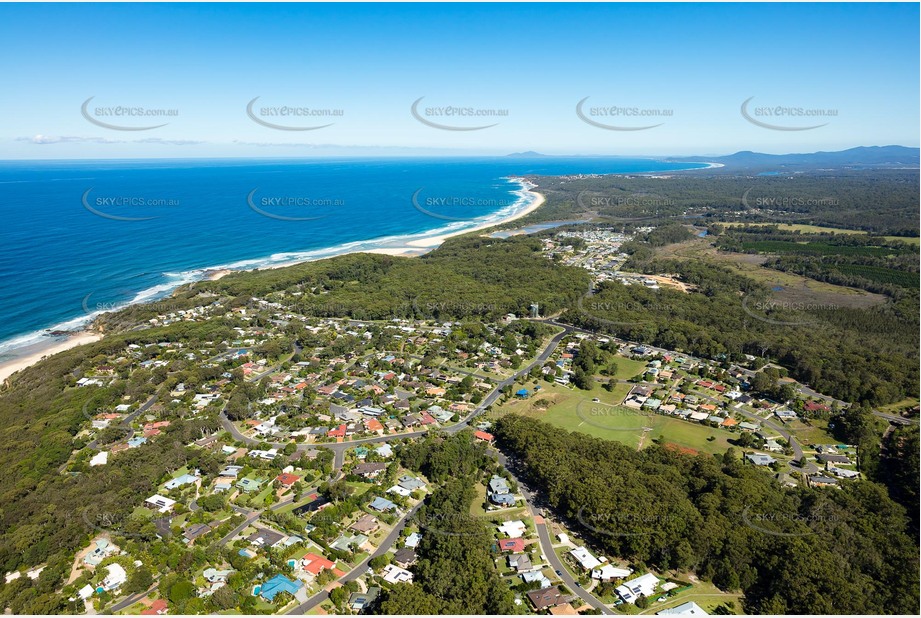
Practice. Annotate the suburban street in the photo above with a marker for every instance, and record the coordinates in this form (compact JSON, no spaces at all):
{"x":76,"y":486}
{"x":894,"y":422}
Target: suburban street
{"x":355,"y":573}
{"x":545,"y":539}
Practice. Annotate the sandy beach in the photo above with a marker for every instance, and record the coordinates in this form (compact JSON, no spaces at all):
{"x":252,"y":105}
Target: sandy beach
{"x":40,"y":351}
{"x":420,"y":246}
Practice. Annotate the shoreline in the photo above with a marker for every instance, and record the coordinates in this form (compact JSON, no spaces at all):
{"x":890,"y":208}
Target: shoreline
{"x":36,"y":352}
{"x":427,"y":241}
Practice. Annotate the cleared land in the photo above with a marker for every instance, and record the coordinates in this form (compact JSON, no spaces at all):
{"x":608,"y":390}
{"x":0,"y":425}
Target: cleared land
{"x":790,"y":287}
{"x":815,"y":229}
{"x":574,"y":410}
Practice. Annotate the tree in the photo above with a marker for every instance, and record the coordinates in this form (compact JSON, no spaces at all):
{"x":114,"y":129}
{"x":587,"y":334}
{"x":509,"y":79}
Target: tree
{"x":139,"y":581}
{"x":181,"y":591}
{"x":338,"y":596}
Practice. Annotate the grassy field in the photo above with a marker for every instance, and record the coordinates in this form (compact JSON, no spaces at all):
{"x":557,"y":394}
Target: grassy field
{"x":574,"y":410}
{"x":815,"y":229}
{"x":817,"y":433}
{"x":628,"y":368}
{"x":792,"y":287}
{"x":898,"y":406}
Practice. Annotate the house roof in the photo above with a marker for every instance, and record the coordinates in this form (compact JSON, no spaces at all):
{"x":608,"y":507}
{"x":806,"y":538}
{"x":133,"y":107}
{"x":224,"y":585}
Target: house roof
{"x":313,"y":563}
{"x":513,"y":545}
{"x":366,"y":523}
{"x":546,"y":597}
{"x":277,"y":584}
{"x":286,"y":478}
{"x":265,"y":538}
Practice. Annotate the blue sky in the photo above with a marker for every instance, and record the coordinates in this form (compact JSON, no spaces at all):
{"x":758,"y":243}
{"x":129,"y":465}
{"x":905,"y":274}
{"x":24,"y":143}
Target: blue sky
{"x":693,"y":65}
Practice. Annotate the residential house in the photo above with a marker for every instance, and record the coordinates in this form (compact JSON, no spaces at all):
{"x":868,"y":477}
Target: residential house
{"x":585,"y":558}
{"x":345,"y":542}
{"x":116,"y":576}
{"x":313,"y":564}
{"x":546,"y":598}
{"x":286,"y":479}
{"x":690,"y":608}
{"x":382,"y":505}
{"x":360,"y":601}
{"x":369,"y":470}
{"x":521,"y":563}
{"x":278,"y":584}
{"x":265,"y":538}
{"x":103,"y":550}
{"x":160,"y":503}
{"x":404,"y":557}
{"x":760,"y":460}
{"x":644,"y":585}
{"x":392,"y":574}
{"x":513,"y":529}
{"x":511,"y":545}
{"x":366,"y":524}
{"x":157,"y":608}
{"x":608,"y":572}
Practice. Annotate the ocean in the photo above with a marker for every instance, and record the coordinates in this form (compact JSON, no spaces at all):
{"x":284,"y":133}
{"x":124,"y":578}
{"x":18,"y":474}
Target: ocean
{"x":83,"y":237}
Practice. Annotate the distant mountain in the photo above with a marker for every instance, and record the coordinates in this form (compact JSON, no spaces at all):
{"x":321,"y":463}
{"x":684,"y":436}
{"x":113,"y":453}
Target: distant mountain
{"x":888,"y":156}
{"x":528,"y":154}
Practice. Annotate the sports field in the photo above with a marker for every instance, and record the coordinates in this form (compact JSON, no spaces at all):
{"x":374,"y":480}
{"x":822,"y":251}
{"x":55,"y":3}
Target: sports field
{"x":574,"y":410}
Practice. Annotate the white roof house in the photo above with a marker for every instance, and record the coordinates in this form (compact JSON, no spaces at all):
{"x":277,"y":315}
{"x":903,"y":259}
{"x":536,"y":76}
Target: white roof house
{"x":643,"y":585}
{"x":690,"y":608}
{"x":585,"y":559}
{"x":161,"y":503}
{"x":608,"y":572}
{"x":115,"y":578}
{"x":395,"y":575}
{"x":513,"y":529}
{"x":100,"y":459}
{"x":86,"y":592}
{"x":400,"y":491}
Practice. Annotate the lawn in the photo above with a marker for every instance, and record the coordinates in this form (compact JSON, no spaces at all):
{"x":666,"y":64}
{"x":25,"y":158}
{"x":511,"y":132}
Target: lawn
{"x":815,"y":229}
{"x":898,"y":406}
{"x":628,"y":368}
{"x":705,"y":594}
{"x":359,"y":487}
{"x":574,"y":410}
{"x":479,"y":500}
{"x":259,"y":500}
{"x":815,"y":434}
